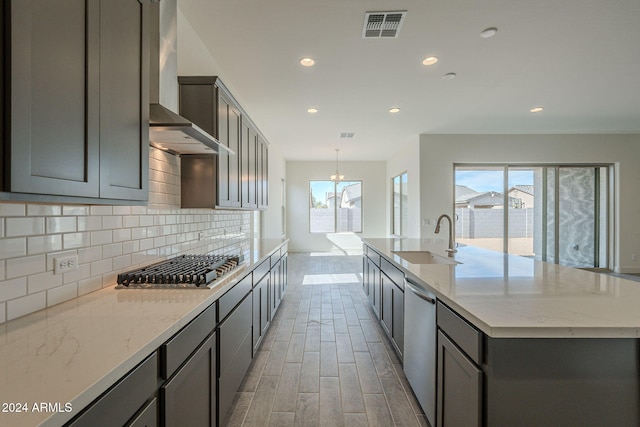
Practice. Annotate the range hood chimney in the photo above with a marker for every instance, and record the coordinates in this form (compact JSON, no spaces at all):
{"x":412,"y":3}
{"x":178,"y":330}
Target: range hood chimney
{"x":167,"y":130}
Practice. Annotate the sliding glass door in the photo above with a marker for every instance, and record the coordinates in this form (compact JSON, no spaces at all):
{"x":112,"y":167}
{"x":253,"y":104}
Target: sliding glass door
{"x":554,"y":213}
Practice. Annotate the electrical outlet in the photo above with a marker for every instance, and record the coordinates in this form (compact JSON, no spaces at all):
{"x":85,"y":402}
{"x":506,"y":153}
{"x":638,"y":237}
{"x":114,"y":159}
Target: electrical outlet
{"x":634,"y":257}
{"x":200,"y":235}
{"x":426,"y":222}
{"x":65,"y":264}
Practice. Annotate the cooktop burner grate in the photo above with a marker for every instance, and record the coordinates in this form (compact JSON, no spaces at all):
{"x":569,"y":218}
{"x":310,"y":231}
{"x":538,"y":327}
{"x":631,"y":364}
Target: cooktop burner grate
{"x":186,"y":271}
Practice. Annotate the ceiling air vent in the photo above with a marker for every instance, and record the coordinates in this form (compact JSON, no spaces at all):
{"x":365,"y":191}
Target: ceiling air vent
{"x":383,"y":24}
{"x":347,"y":135}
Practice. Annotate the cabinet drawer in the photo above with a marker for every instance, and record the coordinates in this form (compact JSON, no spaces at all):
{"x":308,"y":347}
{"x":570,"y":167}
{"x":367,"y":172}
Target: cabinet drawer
{"x":233,"y":296}
{"x":275,"y":257}
{"x":372,"y":255}
{"x":392,"y":273}
{"x":176,"y":350}
{"x":147,"y":417}
{"x":233,"y":331}
{"x":261,"y":270}
{"x":468,"y":338}
{"x":124,"y":399}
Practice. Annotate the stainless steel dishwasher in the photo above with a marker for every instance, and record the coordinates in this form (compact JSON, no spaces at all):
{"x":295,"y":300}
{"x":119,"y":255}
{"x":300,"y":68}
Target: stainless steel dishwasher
{"x":420,"y":346}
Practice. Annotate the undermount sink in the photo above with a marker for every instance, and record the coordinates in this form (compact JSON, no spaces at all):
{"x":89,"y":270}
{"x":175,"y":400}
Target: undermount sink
{"x":424,"y":257}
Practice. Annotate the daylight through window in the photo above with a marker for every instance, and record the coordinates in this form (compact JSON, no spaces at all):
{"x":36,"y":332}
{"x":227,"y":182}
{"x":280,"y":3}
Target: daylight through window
{"x":335,"y":207}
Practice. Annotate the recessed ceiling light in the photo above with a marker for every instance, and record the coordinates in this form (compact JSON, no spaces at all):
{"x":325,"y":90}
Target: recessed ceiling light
{"x":307,"y":62}
{"x":449,"y":76}
{"x":536,"y":109}
{"x":430,"y":60}
{"x":394,"y":110}
{"x":488,"y":32}
{"x":312,"y":110}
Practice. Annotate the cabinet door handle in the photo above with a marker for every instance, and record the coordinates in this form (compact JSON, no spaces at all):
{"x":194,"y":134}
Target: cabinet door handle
{"x":420,"y":294}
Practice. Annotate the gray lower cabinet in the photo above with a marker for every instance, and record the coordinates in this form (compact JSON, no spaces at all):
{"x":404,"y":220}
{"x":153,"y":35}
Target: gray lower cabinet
{"x":459,"y":394}
{"x":392,"y":314}
{"x":236,"y":352}
{"x":373,"y":285}
{"x":261,"y":316}
{"x":276,"y":286}
{"x":460,"y":379}
{"x":127,"y":402}
{"x":79,"y":126}
{"x":189,"y":396}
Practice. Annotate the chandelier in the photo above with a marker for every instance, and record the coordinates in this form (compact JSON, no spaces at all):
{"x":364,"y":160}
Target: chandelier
{"x":337,"y":177}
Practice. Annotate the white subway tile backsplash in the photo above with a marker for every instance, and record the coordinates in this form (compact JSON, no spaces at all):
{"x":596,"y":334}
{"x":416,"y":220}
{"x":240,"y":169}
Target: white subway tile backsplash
{"x":61,"y":224}
{"x":25,"y":226}
{"x":122,"y":235}
{"x":106,"y":239}
{"x":76,"y":240}
{"x":89,"y":254}
{"x":130,"y":247}
{"x":44,"y":210}
{"x":112,"y":250}
{"x":101,"y":210}
{"x":12,"y":209}
{"x":11,"y":248}
{"x":89,"y":223}
{"x":75,"y":210}
{"x":62,"y":294}
{"x":89,"y":285}
{"x":122,"y":262}
{"x":25,"y":305}
{"x":83,"y":272}
{"x":131,"y":221}
{"x":111,"y":222}
{"x":44,"y":244}
{"x":122,"y":210}
{"x":101,"y":237}
{"x":14,"y":288}
{"x":101,"y":267}
{"x":43,"y":281}
{"x":25,"y":266}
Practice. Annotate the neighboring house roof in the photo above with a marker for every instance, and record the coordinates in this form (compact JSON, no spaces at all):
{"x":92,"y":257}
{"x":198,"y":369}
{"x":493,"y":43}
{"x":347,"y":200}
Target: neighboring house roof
{"x":464,"y":193}
{"x":524,"y":188}
{"x":352,"y":192}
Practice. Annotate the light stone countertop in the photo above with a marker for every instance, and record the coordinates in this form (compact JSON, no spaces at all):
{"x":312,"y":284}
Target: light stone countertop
{"x":507,"y":296}
{"x":74,"y":351}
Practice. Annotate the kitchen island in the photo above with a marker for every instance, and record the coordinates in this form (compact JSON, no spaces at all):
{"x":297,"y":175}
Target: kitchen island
{"x":62,"y":358}
{"x":536,"y":343}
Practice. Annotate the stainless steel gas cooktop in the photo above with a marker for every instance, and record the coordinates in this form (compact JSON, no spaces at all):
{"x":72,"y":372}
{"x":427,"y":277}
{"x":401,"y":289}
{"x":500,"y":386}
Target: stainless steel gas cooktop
{"x":186,"y":271}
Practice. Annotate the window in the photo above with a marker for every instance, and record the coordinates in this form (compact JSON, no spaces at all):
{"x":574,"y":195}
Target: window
{"x":335,"y":207}
{"x":399,"y":206}
{"x":553,"y":213}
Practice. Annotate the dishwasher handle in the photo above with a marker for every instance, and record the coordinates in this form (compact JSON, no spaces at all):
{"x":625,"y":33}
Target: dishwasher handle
{"x":430,"y":300}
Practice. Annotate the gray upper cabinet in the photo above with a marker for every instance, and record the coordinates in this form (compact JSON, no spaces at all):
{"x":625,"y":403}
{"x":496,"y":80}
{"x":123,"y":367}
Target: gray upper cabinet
{"x":262,"y":173}
{"x":76,"y":121}
{"x":248,"y":171}
{"x":124,"y":99}
{"x":241,"y":178}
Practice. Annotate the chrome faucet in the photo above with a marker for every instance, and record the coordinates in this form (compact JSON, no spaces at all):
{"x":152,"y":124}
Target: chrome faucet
{"x":450,"y":250}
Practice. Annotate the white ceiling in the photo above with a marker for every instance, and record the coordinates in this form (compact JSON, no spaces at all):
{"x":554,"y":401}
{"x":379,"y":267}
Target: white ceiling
{"x":579,"y":59}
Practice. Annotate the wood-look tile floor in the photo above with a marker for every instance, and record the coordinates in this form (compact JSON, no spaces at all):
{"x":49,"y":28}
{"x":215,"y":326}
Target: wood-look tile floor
{"x":325,"y":361}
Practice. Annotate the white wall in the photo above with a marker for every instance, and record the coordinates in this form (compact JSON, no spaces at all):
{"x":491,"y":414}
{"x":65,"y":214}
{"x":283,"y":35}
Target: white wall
{"x":438,"y":153}
{"x":272,"y":217}
{"x":407,"y":159}
{"x":374,"y":208}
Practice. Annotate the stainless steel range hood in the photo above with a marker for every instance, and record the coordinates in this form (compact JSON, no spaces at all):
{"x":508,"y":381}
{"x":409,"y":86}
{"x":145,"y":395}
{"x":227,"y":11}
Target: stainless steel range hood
{"x":167,"y":130}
